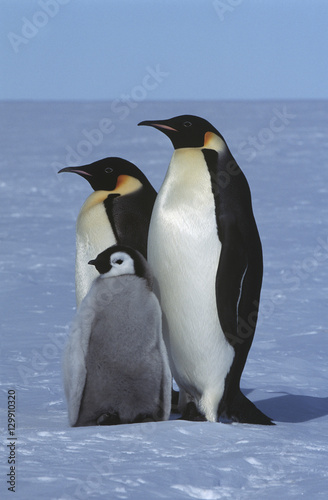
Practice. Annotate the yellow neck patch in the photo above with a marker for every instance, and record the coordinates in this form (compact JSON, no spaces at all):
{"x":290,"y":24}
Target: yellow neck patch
{"x":125,"y":185}
{"x":94,"y":198}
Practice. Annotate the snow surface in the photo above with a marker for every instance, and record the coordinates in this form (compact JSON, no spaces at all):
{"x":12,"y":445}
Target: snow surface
{"x":285,"y":161}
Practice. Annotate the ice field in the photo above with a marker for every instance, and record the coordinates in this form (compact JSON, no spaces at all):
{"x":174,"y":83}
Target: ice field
{"x":282,"y":147}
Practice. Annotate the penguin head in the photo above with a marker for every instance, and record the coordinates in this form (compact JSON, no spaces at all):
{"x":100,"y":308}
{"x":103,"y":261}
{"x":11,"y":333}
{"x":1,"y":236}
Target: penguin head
{"x":185,"y":131}
{"x":108,"y":173}
{"x":119,"y":260}
{"x":117,"y":263}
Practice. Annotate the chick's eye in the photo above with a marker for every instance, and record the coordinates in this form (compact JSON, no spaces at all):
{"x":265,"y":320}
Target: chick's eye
{"x":108,"y":170}
{"x":187,"y":124}
{"x":119,"y":261}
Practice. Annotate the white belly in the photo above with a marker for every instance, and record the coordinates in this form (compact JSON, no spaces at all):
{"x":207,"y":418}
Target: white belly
{"x":184,"y":252}
{"x":93,"y":235}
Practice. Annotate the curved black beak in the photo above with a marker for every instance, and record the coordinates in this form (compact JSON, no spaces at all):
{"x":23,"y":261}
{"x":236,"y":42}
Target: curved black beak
{"x":160,"y":124}
{"x":75,"y":170}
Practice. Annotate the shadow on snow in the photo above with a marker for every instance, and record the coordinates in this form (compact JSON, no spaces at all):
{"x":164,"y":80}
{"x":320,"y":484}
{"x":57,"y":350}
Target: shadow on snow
{"x":292,"y":408}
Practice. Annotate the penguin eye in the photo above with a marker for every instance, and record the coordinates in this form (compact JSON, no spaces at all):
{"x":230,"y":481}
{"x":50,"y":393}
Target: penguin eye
{"x":108,"y":170}
{"x":119,"y":261}
{"x":187,"y":124}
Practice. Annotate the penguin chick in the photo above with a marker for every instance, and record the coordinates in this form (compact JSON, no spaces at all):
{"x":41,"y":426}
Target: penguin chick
{"x":115,"y":365}
{"x":118,"y":212}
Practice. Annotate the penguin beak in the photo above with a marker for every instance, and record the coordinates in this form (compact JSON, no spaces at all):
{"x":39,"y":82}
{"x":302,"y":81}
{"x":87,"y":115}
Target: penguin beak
{"x":91,"y":262}
{"x":75,"y":170}
{"x":161,"y":125}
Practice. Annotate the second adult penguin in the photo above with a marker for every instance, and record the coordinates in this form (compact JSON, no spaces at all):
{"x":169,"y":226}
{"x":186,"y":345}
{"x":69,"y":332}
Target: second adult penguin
{"x":116,"y":368}
{"x":206,"y":255}
{"x":118,"y":212}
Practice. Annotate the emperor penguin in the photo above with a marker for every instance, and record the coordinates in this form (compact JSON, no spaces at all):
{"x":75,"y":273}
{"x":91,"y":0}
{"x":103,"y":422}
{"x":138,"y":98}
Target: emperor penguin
{"x":115,"y":365}
{"x":205,"y":252}
{"x":117,"y":212}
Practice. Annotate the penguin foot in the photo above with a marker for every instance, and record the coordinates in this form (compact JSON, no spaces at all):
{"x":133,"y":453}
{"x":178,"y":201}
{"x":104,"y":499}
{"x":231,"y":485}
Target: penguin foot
{"x":142,"y":418}
{"x":192,"y":413}
{"x":109,"y":419}
{"x":242,"y":410}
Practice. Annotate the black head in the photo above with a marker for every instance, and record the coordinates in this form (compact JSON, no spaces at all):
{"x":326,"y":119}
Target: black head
{"x":103,"y":174}
{"x":119,"y":260}
{"x":185,"y":131}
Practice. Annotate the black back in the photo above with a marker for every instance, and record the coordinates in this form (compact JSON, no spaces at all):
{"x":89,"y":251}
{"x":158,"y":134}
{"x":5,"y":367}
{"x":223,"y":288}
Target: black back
{"x":239,"y":275}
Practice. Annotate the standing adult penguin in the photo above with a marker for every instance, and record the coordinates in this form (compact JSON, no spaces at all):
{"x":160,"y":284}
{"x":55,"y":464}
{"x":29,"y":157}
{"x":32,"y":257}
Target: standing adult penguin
{"x":118,"y":212}
{"x":206,"y":255}
{"x":115,"y":365}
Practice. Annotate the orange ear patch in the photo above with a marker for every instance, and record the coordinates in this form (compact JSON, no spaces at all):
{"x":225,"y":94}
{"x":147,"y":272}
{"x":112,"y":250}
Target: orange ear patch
{"x":213,"y":141}
{"x":122,"y":180}
{"x":126,"y":184}
{"x":208,"y":137}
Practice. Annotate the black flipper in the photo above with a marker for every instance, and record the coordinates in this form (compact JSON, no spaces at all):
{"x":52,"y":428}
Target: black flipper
{"x":229,"y":278}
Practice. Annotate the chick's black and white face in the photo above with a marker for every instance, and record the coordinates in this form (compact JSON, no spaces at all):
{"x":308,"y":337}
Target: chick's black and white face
{"x":121,"y":263}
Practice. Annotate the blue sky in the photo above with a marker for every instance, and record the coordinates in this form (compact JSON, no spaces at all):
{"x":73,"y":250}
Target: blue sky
{"x":164,"y":49}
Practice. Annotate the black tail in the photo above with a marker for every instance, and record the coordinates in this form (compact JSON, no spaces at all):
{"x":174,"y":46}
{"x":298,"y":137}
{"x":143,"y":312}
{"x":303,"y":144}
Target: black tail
{"x":242,"y":410}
